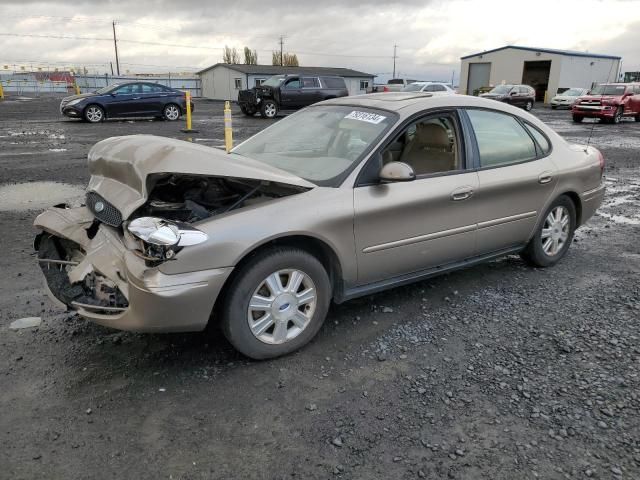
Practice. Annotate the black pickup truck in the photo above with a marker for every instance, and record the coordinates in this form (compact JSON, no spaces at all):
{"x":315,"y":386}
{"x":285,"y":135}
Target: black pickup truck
{"x":289,"y":92}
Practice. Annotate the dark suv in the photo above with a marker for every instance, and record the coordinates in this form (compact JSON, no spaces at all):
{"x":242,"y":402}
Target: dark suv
{"x":517,"y":95}
{"x":289,"y":92}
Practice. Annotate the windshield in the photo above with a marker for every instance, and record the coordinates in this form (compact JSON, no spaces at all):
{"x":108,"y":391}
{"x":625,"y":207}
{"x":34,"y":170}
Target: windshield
{"x":107,"y":89}
{"x":608,"y":90}
{"x":320,"y":144}
{"x":501,"y":89}
{"x":572,"y":92}
{"x":414,"y":87}
{"x":274,"y":81}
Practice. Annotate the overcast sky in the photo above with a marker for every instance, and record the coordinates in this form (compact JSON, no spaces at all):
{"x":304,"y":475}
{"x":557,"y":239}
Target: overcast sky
{"x":431,"y":35}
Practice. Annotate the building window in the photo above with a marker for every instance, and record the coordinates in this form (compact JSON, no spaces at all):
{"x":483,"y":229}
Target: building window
{"x":238,"y":82}
{"x":259,"y":81}
{"x":364,"y":84}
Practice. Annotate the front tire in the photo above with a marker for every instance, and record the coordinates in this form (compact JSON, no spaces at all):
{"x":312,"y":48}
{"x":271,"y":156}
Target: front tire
{"x":268,"y":109}
{"x":617,"y":118}
{"x":528,"y":106}
{"x":554,"y":234}
{"x":276,"y":303}
{"x":94,"y":114}
{"x":171,"y":112}
{"x":578,"y":119}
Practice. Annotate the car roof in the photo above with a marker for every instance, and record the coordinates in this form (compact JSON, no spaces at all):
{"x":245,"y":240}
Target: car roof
{"x":408,"y":103}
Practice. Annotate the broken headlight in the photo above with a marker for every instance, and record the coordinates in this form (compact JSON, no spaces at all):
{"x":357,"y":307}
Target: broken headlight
{"x":165,"y":234}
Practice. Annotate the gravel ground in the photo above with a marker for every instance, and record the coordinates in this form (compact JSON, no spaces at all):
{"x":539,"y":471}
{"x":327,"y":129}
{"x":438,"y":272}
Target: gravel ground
{"x":500,"y":371}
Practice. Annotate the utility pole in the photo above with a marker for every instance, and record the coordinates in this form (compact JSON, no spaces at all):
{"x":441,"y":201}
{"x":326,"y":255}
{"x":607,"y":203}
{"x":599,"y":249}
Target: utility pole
{"x":395,"y":47}
{"x":281,"y":49}
{"x":115,"y":46}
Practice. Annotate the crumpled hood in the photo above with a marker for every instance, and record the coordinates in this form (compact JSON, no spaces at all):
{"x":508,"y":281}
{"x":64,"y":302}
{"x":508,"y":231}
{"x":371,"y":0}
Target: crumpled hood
{"x":119,"y":167}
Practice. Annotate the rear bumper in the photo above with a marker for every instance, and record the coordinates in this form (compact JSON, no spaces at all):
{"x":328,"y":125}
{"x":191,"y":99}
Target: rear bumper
{"x":591,"y":200}
{"x":146,"y":300}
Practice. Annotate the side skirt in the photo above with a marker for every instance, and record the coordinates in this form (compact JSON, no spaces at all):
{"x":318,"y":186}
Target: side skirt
{"x":408,"y":278}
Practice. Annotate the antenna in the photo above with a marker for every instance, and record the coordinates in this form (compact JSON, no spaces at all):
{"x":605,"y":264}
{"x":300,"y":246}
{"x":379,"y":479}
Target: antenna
{"x":586,"y":148}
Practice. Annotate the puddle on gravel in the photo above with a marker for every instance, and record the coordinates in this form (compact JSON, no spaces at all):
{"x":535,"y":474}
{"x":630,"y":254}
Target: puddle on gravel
{"x":38,"y":195}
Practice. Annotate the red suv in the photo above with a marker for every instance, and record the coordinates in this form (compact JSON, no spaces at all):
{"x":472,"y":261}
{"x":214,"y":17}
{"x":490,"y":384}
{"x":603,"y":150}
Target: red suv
{"x":609,"y":102}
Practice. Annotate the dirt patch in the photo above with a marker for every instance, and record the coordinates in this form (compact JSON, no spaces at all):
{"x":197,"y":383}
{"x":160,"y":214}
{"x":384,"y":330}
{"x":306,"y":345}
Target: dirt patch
{"x":38,"y":195}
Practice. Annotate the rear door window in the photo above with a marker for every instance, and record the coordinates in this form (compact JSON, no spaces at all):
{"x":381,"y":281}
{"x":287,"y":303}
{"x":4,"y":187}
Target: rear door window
{"x":310,"y":82}
{"x":501,"y":139}
{"x":292,"y":84}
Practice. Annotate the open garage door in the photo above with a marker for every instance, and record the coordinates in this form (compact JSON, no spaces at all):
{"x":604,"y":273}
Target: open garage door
{"x":478,"y":76}
{"x":536,"y":75}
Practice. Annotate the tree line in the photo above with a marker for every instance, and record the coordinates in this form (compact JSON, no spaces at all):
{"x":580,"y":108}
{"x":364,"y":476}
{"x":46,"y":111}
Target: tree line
{"x":231,"y":56}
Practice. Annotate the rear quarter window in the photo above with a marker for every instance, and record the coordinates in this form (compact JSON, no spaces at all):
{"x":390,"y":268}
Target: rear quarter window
{"x":541,"y":140}
{"x":333,"y":82}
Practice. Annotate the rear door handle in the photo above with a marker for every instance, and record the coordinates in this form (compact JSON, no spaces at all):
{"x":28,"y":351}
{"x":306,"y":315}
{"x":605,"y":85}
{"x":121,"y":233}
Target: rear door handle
{"x":461,"y":193}
{"x":545,"y":177}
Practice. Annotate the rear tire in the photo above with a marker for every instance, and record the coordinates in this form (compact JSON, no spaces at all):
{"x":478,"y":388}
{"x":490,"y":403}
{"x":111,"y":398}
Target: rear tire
{"x":94,"y":113}
{"x":578,"y":119}
{"x":528,"y":106}
{"x":266,"y":313}
{"x":269,"y":109}
{"x":553,"y":235}
{"x":171,"y":112}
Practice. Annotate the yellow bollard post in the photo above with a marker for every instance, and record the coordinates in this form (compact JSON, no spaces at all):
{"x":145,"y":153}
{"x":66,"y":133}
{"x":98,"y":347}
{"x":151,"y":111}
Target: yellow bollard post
{"x":187,"y":99}
{"x":76,"y":88}
{"x":1,"y":92}
{"x":228,"y":131}
{"x":546,"y":92}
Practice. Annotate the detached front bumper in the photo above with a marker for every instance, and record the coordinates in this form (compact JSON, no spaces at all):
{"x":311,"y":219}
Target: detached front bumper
{"x":97,"y":275}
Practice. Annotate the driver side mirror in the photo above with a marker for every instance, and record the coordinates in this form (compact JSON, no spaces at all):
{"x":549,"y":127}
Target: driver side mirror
{"x":513,"y":93}
{"x":397,"y":172}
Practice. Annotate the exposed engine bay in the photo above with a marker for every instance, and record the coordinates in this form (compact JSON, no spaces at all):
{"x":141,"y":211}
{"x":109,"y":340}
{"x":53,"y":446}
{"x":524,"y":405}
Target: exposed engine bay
{"x":84,"y":265}
{"x":191,"y":198}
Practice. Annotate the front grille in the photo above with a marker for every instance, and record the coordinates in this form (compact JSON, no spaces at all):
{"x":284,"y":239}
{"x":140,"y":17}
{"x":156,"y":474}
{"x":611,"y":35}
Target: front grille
{"x":590,"y":102}
{"x":107,"y":214}
{"x":246,"y":96}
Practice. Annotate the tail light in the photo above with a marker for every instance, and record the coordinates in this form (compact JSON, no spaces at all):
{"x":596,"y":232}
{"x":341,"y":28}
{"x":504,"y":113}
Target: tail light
{"x":385,"y":89}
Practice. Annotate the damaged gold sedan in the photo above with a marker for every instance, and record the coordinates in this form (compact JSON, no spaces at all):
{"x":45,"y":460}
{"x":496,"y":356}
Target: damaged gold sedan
{"x":345,"y":198}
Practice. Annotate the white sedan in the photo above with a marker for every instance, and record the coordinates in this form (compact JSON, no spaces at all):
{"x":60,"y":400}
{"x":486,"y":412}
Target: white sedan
{"x":434,"y":88}
{"x":568,"y":97}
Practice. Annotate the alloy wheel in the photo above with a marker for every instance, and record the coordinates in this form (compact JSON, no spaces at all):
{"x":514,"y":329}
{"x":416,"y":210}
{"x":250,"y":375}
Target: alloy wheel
{"x":270,"y":110}
{"x":618,"y":115}
{"x":94,"y":114}
{"x":528,"y":106}
{"x":171,"y":112}
{"x":555,"y":231}
{"x":282,"y":306}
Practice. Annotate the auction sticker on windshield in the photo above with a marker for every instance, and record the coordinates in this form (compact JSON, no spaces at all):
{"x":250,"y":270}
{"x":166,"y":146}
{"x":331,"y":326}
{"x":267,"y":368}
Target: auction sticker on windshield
{"x":366,"y":117}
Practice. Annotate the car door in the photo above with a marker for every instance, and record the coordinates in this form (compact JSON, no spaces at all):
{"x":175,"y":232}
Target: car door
{"x":290,"y":93}
{"x":151,"y":99}
{"x":516,"y":178}
{"x":404,"y":228}
{"x":633,"y":101}
{"x":310,"y":91}
{"x":124,"y":101}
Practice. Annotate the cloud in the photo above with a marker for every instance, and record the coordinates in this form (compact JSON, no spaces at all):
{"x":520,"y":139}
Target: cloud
{"x":431,"y":36}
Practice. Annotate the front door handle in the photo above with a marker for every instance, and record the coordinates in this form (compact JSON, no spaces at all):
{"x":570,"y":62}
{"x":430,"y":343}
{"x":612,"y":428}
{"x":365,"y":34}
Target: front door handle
{"x":461,"y":193}
{"x":545,"y":177}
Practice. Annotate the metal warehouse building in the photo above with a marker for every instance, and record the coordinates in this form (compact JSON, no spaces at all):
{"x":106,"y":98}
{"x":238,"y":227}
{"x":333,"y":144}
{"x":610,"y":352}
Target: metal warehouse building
{"x":222,"y":81}
{"x":544,"y":69}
